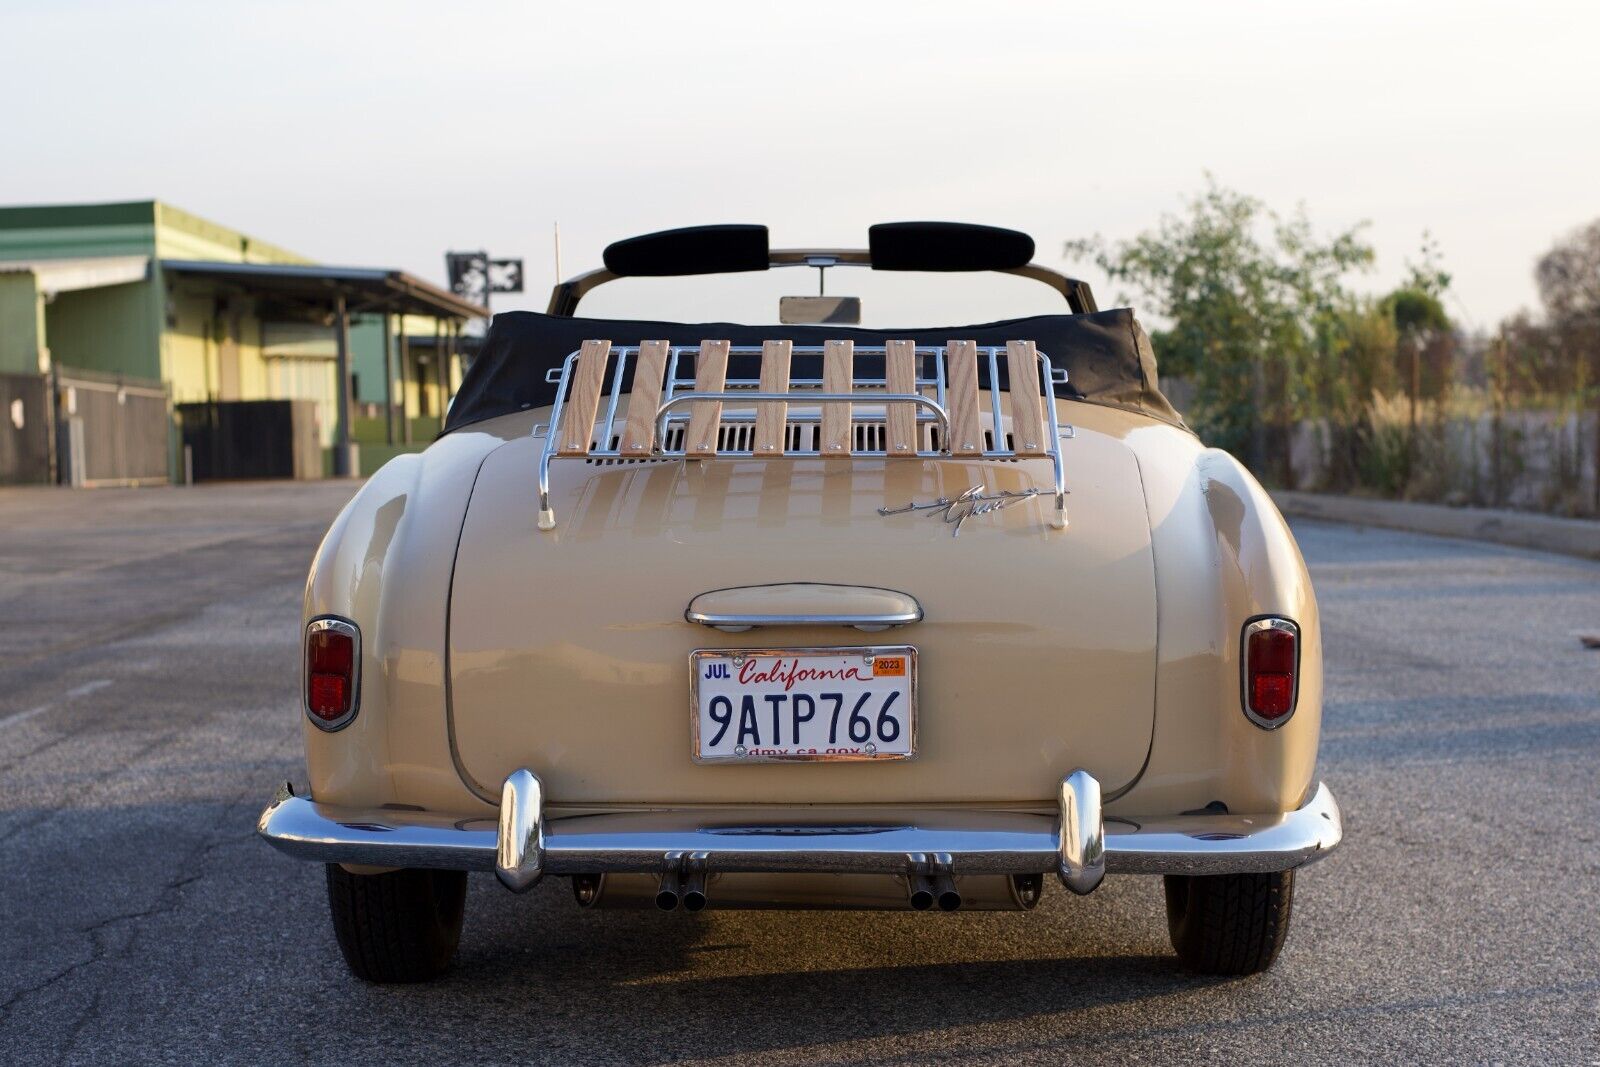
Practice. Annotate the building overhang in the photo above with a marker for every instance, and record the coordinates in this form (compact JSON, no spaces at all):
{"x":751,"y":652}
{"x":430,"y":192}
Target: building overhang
{"x":80,"y":272}
{"x":364,"y":289}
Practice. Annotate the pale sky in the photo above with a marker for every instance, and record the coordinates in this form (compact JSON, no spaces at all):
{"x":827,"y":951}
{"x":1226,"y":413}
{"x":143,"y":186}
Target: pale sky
{"x":384,"y":133}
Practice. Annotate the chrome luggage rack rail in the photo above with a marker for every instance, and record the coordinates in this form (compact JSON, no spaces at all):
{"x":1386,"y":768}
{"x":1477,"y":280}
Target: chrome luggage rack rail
{"x":926,"y":406}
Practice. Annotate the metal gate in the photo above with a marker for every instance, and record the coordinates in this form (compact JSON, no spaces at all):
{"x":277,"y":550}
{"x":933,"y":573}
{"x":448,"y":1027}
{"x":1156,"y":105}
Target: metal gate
{"x":111,"y":430}
{"x":24,"y":429}
{"x":251,"y":438}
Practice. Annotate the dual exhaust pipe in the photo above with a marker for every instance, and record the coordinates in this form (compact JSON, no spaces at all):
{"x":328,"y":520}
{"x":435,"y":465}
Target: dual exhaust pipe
{"x":686,"y":887}
{"x":925,"y":891}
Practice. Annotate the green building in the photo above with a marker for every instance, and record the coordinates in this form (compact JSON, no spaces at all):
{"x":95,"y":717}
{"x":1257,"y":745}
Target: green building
{"x":143,"y":292}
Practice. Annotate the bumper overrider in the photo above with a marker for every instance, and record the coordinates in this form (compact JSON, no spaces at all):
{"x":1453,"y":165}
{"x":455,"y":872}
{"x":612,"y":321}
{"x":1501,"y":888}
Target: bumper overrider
{"x":1078,"y":843}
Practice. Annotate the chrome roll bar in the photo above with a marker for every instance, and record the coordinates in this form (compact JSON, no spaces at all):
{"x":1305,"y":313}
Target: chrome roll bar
{"x":564,"y":298}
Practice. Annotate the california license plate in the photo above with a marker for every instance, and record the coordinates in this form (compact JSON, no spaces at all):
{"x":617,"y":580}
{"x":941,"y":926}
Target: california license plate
{"x":758,"y":705}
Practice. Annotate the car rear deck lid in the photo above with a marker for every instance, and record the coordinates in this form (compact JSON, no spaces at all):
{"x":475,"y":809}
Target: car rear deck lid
{"x":803,"y":604}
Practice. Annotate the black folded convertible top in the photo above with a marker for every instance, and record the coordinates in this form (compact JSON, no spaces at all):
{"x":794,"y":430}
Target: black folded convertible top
{"x":1106,"y":354}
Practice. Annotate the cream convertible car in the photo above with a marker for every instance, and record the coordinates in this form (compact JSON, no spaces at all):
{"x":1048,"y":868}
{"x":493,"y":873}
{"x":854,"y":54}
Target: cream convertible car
{"x":794,"y":616}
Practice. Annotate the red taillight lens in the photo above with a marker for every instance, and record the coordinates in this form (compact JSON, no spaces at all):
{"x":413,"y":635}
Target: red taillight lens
{"x":331,"y":661}
{"x":330,"y":695}
{"x":1270,"y":661}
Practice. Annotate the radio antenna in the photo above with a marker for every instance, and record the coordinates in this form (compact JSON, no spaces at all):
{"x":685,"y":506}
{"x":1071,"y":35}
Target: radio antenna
{"x":557,"y":229}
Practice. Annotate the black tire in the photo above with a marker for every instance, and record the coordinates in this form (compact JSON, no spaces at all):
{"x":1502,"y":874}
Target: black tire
{"x":402,"y":926}
{"x":1229,"y":923}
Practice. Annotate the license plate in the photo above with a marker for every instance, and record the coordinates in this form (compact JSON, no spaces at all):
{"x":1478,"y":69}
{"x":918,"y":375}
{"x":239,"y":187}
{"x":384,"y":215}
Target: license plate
{"x":761,"y":705}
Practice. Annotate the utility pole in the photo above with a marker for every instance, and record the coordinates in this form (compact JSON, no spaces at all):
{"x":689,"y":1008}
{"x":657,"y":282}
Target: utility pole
{"x":389,"y":320}
{"x":1497,"y":388}
{"x":1411,"y":419}
{"x":345,"y":461}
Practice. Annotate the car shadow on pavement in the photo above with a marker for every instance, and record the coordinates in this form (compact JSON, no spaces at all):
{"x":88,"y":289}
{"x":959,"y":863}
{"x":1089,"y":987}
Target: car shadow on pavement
{"x":640,"y":985}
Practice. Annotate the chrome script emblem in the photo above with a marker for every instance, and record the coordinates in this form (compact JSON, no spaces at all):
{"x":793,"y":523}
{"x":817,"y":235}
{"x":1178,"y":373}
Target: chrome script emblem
{"x":972,"y":502}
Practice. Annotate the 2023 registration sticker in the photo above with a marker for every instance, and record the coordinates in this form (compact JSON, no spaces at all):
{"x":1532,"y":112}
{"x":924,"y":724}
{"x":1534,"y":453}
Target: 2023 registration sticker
{"x":804,"y":704}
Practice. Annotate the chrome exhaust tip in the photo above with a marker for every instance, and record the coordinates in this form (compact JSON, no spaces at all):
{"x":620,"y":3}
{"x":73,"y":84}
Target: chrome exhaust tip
{"x":694,"y":891}
{"x":948,"y":896}
{"x":667,"y":895}
{"x":920,"y":891}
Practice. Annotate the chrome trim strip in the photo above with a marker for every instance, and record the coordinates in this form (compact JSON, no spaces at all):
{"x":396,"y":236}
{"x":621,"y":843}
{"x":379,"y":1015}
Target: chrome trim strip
{"x":897,"y":841}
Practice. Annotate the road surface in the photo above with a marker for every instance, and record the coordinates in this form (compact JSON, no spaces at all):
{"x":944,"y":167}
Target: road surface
{"x":147,"y":707}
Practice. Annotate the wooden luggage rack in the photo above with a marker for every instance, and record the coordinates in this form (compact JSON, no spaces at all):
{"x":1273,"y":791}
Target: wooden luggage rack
{"x":925,"y":407}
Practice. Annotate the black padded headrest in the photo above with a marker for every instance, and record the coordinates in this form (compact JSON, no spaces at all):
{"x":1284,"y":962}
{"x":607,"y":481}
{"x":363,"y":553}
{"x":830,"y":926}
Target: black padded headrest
{"x":947,"y":246}
{"x":691,"y":250}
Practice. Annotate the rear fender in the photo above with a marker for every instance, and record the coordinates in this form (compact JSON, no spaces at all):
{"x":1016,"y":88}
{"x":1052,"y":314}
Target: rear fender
{"x":1223,"y":555}
{"x":385,"y":564}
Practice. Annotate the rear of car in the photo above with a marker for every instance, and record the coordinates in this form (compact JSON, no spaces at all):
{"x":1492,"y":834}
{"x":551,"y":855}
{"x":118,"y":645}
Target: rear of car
{"x":712,"y":615}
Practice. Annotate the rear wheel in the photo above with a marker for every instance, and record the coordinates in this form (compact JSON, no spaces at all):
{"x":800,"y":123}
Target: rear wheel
{"x":1229,"y":923}
{"x":400,"y":926}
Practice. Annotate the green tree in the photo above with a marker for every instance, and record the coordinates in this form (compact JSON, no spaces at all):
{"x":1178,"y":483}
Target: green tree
{"x":1419,"y":318}
{"x":1250,"y":299}
{"x":1356,"y":362}
{"x":1569,"y":284}
{"x":1420,"y":321}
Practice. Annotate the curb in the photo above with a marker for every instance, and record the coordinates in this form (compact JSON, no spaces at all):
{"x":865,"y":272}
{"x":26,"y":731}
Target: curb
{"x":1521,"y":529}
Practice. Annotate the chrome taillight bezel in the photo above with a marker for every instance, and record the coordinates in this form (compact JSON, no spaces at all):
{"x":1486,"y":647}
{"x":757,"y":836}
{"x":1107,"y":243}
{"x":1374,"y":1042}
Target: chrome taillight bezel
{"x":1252,"y":626}
{"x":340,"y":625}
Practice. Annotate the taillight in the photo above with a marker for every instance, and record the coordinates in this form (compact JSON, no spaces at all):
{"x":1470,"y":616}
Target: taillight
{"x":1271,"y":665}
{"x":333,"y":672}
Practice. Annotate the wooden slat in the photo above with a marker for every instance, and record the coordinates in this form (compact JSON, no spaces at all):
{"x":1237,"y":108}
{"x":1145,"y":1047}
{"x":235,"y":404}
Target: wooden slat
{"x":1027,"y":402}
{"x":771,"y":418}
{"x":583,"y":398}
{"x":648,"y":371}
{"x":961,"y":391}
{"x":900,"y":371}
{"x":838,"y":376}
{"x":710,"y":376}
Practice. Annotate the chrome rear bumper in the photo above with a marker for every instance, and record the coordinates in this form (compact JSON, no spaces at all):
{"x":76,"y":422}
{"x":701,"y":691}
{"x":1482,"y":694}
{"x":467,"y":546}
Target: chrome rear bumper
{"x":1078,"y":844}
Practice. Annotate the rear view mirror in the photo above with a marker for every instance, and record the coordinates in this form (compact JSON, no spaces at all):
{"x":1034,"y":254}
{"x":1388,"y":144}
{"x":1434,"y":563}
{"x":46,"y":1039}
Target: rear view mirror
{"x":818,"y":310}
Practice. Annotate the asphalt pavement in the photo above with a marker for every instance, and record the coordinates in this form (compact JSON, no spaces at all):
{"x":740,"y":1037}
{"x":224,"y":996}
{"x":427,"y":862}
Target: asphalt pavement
{"x":147,"y":708}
